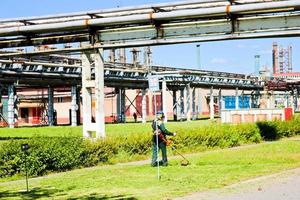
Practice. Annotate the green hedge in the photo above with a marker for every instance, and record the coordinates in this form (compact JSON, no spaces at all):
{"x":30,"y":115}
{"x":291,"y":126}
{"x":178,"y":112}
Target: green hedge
{"x":51,"y":154}
{"x":275,"y":130}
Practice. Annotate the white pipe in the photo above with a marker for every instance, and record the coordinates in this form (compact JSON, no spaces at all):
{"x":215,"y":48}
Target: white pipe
{"x":113,"y":10}
{"x":143,"y":18}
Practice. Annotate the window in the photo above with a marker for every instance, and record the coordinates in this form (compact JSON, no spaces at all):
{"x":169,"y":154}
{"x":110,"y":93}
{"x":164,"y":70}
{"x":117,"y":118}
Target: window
{"x":59,"y":99}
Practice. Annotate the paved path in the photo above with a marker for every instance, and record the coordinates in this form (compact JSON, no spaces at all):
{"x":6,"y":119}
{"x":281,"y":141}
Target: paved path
{"x":281,"y":186}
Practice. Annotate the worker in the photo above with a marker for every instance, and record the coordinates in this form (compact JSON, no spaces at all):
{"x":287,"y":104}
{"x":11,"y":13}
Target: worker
{"x":135,"y":117}
{"x":160,"y":130}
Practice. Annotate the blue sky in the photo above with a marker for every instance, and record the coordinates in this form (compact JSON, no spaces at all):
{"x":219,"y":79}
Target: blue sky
{"x":232,"y":56}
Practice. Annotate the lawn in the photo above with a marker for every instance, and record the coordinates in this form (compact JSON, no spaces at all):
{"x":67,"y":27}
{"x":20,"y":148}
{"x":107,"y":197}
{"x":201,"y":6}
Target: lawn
{"x":111,"y":129}
{"x":208,"y":170}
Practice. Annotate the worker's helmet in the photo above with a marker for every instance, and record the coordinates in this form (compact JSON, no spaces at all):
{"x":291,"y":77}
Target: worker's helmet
{"x":160,"y":115}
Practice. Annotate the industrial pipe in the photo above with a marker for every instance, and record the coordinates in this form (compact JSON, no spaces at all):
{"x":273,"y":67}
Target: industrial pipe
{"x":144,"y":18}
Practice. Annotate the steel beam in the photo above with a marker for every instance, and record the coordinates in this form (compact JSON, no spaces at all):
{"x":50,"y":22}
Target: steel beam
{"x":50,"y":106}
{"x":211,"y":104}
{"x":12,"y":106}
{"x":188,"y":102}
{"x":164,"y":100}
{"x":74,"y":105}
{"x":194,"y":104}
{"x":182,"y":114}
{"x":144,"y":106}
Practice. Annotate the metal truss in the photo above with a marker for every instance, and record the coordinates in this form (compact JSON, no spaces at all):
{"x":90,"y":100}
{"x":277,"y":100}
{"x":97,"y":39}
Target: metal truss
{"x":122,"y":75}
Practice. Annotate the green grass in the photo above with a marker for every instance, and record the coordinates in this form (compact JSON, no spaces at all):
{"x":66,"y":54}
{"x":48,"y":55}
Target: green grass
{"x":111,"y":129}
{"x":208,"y":170}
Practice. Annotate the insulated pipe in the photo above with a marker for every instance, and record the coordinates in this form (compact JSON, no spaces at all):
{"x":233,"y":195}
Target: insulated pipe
{"x":143,"y":18}
{"x":124,"y":9}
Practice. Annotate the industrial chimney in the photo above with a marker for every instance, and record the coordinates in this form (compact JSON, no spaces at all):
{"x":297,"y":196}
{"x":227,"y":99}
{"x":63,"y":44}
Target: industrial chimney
{"x":275,"y":58}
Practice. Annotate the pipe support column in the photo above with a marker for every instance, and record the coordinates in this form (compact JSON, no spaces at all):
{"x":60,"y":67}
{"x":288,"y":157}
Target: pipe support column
{"x":50,"y":106}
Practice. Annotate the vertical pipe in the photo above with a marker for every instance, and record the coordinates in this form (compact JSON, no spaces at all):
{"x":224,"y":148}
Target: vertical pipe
{"x":123,"y":105}
{"x":144,"y":106}
{"x":99,"y":94}
{"x":220,"y":102}
{"x":175,"y":105}
{"x":50,"y":106}
{"x":11,"y":106}
{"x":74,"y":105}
{"x":181,"y":104}
{"x":164,"y":99}
{"x":237,"y":98}
{"x":199,"y":103}
{"x":211,"y":104}
{"x":194,"y":104}
{"x":188,"y":102}
{"x":86,"y":94}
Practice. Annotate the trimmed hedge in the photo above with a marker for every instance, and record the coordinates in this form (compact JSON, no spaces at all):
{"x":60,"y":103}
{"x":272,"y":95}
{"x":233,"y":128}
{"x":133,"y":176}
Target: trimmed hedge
{"x":54,"y":154}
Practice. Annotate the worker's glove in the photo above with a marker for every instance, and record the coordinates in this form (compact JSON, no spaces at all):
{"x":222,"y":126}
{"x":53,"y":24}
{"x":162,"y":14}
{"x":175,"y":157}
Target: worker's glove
{"x":174,"y":134}
{"x":169,"y":143}
{"x":157,"y":132}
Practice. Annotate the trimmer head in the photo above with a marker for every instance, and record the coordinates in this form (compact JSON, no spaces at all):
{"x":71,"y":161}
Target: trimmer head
{"x":184,"y":163}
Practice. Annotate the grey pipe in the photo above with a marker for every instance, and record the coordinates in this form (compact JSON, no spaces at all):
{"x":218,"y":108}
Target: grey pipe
{"x":182,"y":14}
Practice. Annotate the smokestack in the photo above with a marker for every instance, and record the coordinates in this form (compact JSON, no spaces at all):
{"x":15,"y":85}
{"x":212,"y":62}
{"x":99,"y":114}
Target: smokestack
{"x":147,"y":58}
{"x":198,"y":56}
{"x":122,"y":55}
{"x":135,"y":57}
{"x":275,"y":58}
{"x":257,"y":64}
{"x":112,"y":55}
{"x":290,"y":57}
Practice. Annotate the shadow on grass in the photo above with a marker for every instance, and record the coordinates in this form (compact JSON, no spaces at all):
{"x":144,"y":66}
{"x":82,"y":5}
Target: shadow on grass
{"x":34,"y":193}
{"x":37,"y":193}
{"x":103,"y":197}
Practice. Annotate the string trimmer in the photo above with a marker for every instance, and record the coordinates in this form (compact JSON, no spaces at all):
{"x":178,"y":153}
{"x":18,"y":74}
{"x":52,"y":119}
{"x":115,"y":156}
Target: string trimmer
{"x":185,"y":161}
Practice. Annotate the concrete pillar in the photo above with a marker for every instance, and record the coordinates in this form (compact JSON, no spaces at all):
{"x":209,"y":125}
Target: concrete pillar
{"x":12,"y":106}
{"x":236,"y":98}
{"x":220,"y":102}
{"x":74,"y":105}
{"x":211,"y":104}
{"x":164,"y":100}
{"x":50,"y":106}
{"x":188,"y":102}
{"x":199,"y":102}
{"x":88,"y":83}
{"x":175,"y":105}
{"x":144,"y":106}
{"x":121,"y":105}
{"x":99,"y":93}
{"x":181,"y":104}
{"x":194,"y":104}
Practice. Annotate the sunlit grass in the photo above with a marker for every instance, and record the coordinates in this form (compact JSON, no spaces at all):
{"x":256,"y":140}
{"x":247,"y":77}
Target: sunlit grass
{"x":208,"y":170}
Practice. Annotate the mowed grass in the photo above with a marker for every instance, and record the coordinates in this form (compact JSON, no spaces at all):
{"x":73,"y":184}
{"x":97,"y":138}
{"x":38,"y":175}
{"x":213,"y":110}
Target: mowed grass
{"x":208,"y":170}
{"x":111,"y":129}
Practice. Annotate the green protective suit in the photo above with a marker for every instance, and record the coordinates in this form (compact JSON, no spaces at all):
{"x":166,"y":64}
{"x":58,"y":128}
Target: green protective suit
{"x":161,"y":144}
